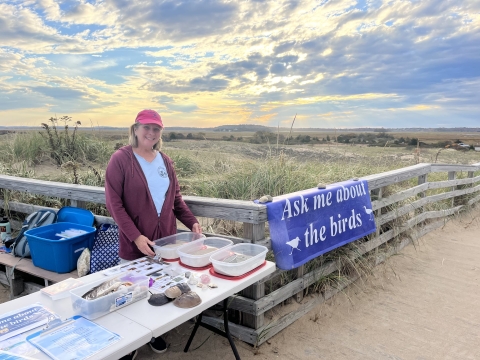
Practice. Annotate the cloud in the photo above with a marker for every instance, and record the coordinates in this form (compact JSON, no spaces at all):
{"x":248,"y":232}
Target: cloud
{"x":218,"y":59}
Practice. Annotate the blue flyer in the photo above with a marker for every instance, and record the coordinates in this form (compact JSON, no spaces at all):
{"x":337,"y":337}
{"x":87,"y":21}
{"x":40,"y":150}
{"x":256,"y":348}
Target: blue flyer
{"x":5,"y":355}
{"x":24,"y":319}
{"x":74,"y":339}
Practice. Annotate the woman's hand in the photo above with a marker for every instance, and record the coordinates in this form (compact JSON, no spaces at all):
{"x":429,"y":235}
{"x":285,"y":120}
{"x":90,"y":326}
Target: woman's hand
{"x":143,"y":243}
{"x":196,"y":228}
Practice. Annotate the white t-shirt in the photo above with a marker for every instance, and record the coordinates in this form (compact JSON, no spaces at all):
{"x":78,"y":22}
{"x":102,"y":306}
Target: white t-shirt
{"x":157,"y":179}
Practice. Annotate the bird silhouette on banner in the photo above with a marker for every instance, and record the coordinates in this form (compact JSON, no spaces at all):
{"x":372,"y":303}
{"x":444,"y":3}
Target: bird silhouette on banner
{"x":294,"y":244}
{"x":369,"y":212}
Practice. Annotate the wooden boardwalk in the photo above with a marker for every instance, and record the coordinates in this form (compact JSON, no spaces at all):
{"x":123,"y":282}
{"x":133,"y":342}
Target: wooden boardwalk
{"x":422,"y":304}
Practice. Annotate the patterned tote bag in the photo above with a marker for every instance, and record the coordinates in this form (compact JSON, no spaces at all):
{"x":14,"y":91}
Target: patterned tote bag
{"x":105,"y":248}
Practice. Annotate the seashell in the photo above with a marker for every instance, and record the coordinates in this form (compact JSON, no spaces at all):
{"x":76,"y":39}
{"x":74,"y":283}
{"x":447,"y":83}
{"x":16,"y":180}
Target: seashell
{"x":158,"y":300}
{"x":355,"y":179}
{"x":212,"y":286}
{"x":321,"y":186}
{"x":193,"y":280}
{"x":200,"y":285}
{"x":173,"y":292}
{"x":187,"y":300}
{"x":264,"y":199}
{"x":184,"y":288}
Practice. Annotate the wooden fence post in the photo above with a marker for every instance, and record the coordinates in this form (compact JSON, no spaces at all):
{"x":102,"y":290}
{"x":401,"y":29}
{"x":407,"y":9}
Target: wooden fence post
{"x":377,"y":194}
{"x":254,"y":232}
{"x":78,"y":203}
{"x":422,"y":179}
{"x":452,"y":175}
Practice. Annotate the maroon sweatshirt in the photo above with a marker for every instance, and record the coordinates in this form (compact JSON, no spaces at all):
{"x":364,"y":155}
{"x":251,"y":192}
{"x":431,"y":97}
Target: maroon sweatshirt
{"x":130,"y":204}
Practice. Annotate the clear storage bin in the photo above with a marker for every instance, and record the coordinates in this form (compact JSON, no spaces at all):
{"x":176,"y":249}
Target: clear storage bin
{"x":238,"y":259}
{"x":92,"y":309}
{"x":197,"y":253}
{"x":167,"y":247}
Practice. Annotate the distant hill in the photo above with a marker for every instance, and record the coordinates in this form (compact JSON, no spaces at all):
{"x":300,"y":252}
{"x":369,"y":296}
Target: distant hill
{"x":255,"y":128}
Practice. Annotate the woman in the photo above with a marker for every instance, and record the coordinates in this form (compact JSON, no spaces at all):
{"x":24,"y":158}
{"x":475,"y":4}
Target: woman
{"x":143,"y":195}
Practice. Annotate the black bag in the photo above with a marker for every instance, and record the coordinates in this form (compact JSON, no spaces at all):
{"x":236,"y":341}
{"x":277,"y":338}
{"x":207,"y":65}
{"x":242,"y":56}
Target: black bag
{"x":19,"y":245}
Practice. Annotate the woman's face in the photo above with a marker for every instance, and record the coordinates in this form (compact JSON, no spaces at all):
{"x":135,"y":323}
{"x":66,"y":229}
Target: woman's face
{"x":148,"y":135}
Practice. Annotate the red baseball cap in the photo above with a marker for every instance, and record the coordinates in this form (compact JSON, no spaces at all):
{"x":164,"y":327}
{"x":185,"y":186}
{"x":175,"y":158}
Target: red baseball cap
{"x":149,"y":117}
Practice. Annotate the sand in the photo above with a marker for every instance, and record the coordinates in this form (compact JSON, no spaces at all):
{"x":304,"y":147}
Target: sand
{"x":421,"y":304}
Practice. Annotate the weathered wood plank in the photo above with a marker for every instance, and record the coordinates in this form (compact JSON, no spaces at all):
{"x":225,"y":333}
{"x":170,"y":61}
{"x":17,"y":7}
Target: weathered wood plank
{"x":395,"y":176}
{"x":453,"y":167}
{"x":243,"y":333}
{"x":422,"y":202}
{"x":253,"y":216}
{"x":238,"y":210}
{"x":254,"y":292}
{"x":452,"y":175}
{"x":300,"y":273}
{"x":452,"y":182}
{"x":473,"y":200}
{"x":405,"y":194}
{"x":29,"y":208}
{"x":422,"y":179}
{"x":26,"y":265}
{"x":52,"y":188}
{"x":402,"y":195}
{"x":255,"y":232}
{"x":78,"y":203}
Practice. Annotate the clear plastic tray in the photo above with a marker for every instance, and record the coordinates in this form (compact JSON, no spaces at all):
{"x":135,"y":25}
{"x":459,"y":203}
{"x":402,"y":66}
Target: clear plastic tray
{"x":197,"y":253}
{"x":238,"y":259}
{"x":167,"y":247}
{"x":92,"y":309}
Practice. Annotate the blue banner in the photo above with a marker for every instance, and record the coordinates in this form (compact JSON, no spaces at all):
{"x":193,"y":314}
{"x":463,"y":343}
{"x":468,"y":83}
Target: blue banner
{"x":309,"y":223}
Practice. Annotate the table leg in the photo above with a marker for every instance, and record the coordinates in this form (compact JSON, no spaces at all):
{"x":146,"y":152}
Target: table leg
{"x":227,"y":329}
{"x":195,"y":328}
{"x":225,"y":333}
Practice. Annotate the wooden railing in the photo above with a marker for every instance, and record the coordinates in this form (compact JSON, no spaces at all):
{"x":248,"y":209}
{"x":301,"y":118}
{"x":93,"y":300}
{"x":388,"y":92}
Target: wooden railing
{"x":404,"y":215}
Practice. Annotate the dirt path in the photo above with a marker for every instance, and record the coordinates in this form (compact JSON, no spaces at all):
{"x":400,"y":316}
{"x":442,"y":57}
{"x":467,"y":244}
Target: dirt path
{"x":422,"y":304}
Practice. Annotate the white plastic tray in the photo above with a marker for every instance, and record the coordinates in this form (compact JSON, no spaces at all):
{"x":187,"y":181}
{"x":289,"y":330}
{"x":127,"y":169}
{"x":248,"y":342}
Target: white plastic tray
{"x":198,"y":252}
{"x":238,"y":259}
{"x":167,"y":247}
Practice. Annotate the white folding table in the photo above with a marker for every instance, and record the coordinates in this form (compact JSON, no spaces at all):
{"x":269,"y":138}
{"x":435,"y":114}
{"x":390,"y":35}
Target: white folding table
{"x":160,"y":319}
{"x":139,"y":322}
{"x":133,"y":335}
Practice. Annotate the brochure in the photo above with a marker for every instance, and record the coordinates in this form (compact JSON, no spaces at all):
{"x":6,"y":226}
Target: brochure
{"x":19,"y":345}
{"x":5,"y":355}
{"x":74,"y":339}
{"x":24,"y":319}
{"x":162,"y":281}
{"x":143,"y":266}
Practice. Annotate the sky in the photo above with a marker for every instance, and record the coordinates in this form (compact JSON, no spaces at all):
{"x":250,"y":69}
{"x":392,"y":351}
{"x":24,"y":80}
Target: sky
{"x":204,"y":63}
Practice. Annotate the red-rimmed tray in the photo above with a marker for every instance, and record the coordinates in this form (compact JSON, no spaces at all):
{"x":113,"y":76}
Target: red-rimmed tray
{"x":226,"y":277}
{"x":194,"y":268}
{"x":171,"y":260}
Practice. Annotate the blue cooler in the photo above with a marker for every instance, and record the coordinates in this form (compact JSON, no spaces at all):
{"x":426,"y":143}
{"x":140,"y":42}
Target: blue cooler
{"x":54,"y":253}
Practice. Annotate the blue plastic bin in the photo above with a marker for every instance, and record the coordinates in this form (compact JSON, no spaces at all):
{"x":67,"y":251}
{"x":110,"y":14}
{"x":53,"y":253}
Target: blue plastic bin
{"x":50,"y":252}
